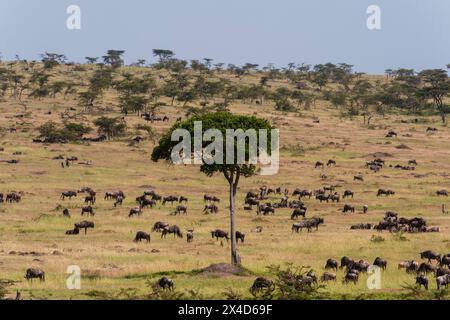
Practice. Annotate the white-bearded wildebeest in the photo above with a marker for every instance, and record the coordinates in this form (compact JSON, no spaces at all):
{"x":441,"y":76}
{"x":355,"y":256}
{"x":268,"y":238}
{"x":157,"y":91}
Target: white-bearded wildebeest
{"x":85,"y":225}
{"x":348,"y":193}
{"x":240,"y":236}
{"x":135,"y":211}
{"x":443,"y":281}
{"x":384,"y":192}
{"x":443,"y":193}
{"x":299,"y":212}
{"x":141,"y":235}
{"x":90,"y":200}
{"x":165,"y":283}
{"x":219,"y":234}
{"x":380,"y":263}
{"x":175,"y":230}
{"x":160,"y":226}
{"x":33,"y":273}
{"x":170,"y":199}
{"x":332,"y":264}
{"x":348,"y":208}
{"x":211,"y":208}
{"x":68,"y":194}
{"x":430,"y":255}
{"x":262,"y":285}
{"x":181,"y":210}
{"x":190,"y":236}
{"x":87,"y":210}
{"x":421,"y":280}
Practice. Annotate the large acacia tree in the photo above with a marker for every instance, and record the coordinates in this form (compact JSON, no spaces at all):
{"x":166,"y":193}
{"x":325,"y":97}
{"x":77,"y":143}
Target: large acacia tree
{"x":221,"y":121}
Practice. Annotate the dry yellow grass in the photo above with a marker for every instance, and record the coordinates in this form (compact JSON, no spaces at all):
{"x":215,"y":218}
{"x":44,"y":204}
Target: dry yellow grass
{"x":110,"y":260}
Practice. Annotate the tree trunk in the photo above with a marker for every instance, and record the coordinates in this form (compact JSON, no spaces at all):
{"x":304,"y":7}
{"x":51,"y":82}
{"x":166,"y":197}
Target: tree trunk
{"x":234,"y":258}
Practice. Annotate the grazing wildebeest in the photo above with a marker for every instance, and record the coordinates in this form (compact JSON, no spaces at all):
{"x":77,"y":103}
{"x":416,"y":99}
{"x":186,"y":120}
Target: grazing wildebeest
{"x":90,"y":200}
{"x":361,"y":226}
{"x":332,"y":264}
{"x":387,"y":192}
{"x":391,"y":134}
{"x":445,"y":261}
{"x":348,"y":208}
{"x":135,"y":211}
{"x":430,"y":255}
{"x":181,"y":210}
{"x":430,"y":129}
{"x":119,"y":201}
{"x":358,"y":178}
{"x":190,"y":236}
{"x":160,"y":226}
{"x":170,"y":199}
{"x":443,"y":193}
{"x":421,"y":280}
{"x":262,"y":284}
{"x":175,"y":230}
{"x":147,"y":203}
{"x":84,"y":225}
{"x":346,"y":261}
{"x":442,"y":271}
{"x":66,"y":213}
{"x":319,"y":165}
{"x":114,"y":195}
{"x":365,"y":208}
{"x":265,"y":209}
{"x":87,"y":210}
{"x":157,"y":197}
{"x":211,"y":208}
{"x":351,"y":277}
{"x":299,"y":212}
{"x":165,"y":283}
{"x":240,"y":236}
{"x":183,"y":199}
{"x":219,"y":234}
{"x":443,"y":281}
{"x":323,"y":197}
{"x":331,"y":163}
{"x":328,"y":276}
{"x":75,"y":231}
{"x":34,"y":273}
{"x":380,"y":263}
{"x":251,"y":202}
{"x":335,"y":197}
{"x":426,"y":267}
{"x":2,"y":197}
{"x":348,"y":193}
{"x":68,"y":194}
{"x":141,"y":235}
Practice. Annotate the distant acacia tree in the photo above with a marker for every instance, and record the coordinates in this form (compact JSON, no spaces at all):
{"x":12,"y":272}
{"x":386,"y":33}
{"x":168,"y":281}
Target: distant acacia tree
{"x":114,"y":58}
{"x":221,"y":121}
{"x":436,"y":86}
{"x":111,"y":127}
{"x":51,"y":60}
{"x":91,"y":60}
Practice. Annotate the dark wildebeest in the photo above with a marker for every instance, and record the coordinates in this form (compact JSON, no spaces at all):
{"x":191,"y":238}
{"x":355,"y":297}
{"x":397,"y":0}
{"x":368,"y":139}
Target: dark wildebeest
{"x":211,"y":208}
{"x":445,"y":261}
{"x":147,"y":203}
{"x":240,"y":236}
{"x":183,"y":199}
{"x":135,"y":211}
{"x":331,"y":163}
{"x":87,"y":210}
{"x":68,"y":194}
{"x":348,"y":208}
{"x":430,"y":255}
{"x":322,"y":197}
{"x":141,"y":235}
{"x":319,"y":165}
{"x":175,"y":230}
{"x":351,"y":277}
{"x":190,"y":236}
{"x":365,"y":208}
{"x":346,"y":261}
{"x":119,"y":201}
{"x":328,"y":276}
{"x":33,"y":273}
{"x":219,"y":234}
{"x":348,"y":193}
{"x":335,"y":197}
{"x":299,"y":212}
{"x":332,"y":264}
{"x":265,"y":209}
{"x":443,"y":193}
{"x":412,"y":163}
{"x":421,"y":280}
{"x":358,"y":178}
{"x":84,"y":225}
{"x":430,"y":129}
{"x":165,"y":283}
{"x":443,"y":281}
{"x":66,"y":213}
{"x":384,"y":192}
{"x":181,"y":210}
{"x":426,"y":267}
{"x":262,"y":284}
{"x":170,"y":199}
{"x":160,"y":226}
{"x":380,"y":263}
{"x":90,"y":200}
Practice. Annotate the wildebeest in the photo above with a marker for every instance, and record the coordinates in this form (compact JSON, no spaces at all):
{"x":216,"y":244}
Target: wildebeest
{"x":421,"y":280}
{"x":141,"y":235}
{"x":85,"y":225}
{"x":309,"y":224}
{"x":208,"y":198}
{"x":190,"y":236}
{"x":346,"y":261}
{"x":358,"y":178}
{"x":265,"y":209}
{"x":319,"y":165}
{"x":211,"y":208}
{"x":262,"y":284}
{"x":135,"y":211}
{"x":34,"y":273}
{"x":332,"y":264}
{"x":68,"y":194}
{"x":430,"y":129}
{"x":351,"y":277}
{"x":183,"y":199}
{"x":322,"y":197}
{"x":119,"y":201}
{"x":335,"y":197}
{"x":147,"y":203}
{"x":412,"y":163}
{"x":445,"y":261}
{"x":380,"y":263}
{"x":384,"y":192}
{"x":348,"y":193}
{"x":443,"y":281}
{"x":75,"y":231}
{"x":443,"y":193}
{"x":361,"y":226}
{"x":90,"y":200}
{"x":328,"y":276}
{"x":87,"y":210}
{"x":181,"y":210}
{"x":160,"y":226}
{"x":331,"y":163}
{"x":175,"y":230}
{"x":66,"y":213}
{"x":170,"y":199}
{"x":299,"y":212}
{"x":165,"y":283}
{"x":430,"y":255}
{"x":365,"y":208}
{"x":240,"y":236}
{"x":114,"y":195}
{"x":426,"y":267}
{"x":219,"y":234}
{"x":348,"y":208}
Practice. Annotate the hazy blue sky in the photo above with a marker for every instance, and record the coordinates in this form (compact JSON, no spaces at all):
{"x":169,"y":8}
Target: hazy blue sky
{"x":415,"y":33}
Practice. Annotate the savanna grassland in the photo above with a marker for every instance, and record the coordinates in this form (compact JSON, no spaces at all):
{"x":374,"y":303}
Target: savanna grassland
{"x":109,"y":259}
